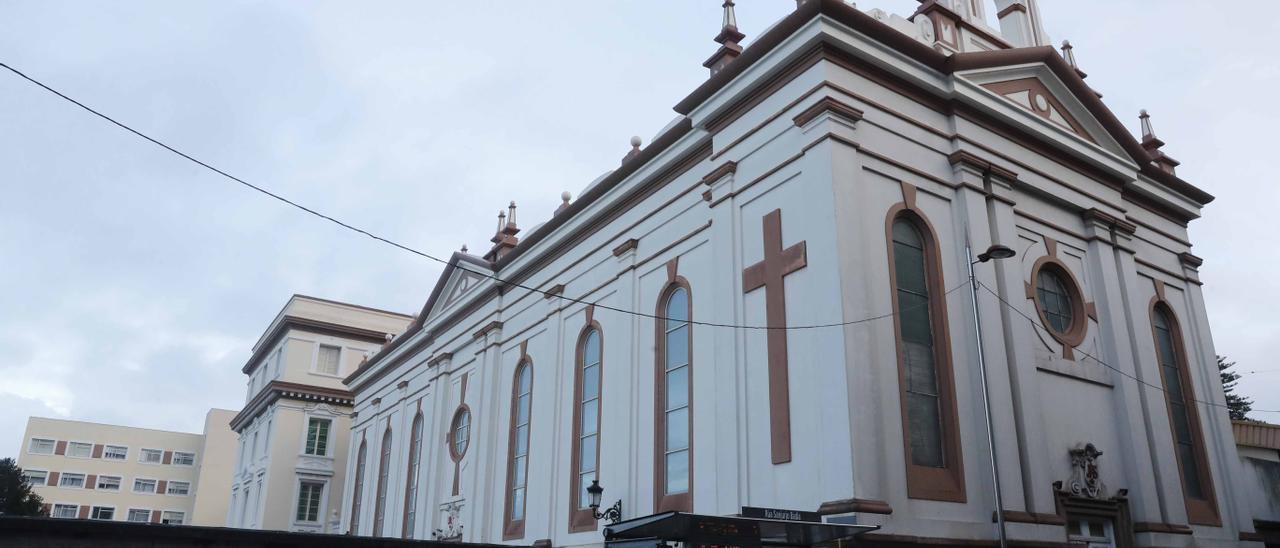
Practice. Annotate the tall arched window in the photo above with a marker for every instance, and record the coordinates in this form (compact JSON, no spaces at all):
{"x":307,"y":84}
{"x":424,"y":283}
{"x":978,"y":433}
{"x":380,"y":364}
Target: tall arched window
{"x":673,"y":412}
{"x":358,"y":489}
{"x":411,"y":481}
{"x":518,"y":449}
{"x":586,"y":428}
{"x":930,"y":430}
{"x":1188,"y":441}
{"x":384,"y":472}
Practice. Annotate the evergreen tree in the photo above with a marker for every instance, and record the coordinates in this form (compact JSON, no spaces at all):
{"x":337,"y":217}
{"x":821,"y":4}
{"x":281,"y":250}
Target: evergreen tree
{"x":1237,"y":405}
{"x":16,"y":497}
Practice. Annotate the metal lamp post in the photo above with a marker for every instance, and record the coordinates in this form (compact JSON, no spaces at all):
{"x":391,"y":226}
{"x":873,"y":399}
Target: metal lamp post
{"x":997,"y":252}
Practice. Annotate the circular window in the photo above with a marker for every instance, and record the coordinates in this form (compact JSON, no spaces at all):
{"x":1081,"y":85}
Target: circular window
{"x":1059,"y":302}
{"x":460,"y":433}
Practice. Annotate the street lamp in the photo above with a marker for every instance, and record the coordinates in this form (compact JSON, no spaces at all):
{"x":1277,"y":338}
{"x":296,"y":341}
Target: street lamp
{"x":613,"y":514}
{"x":997,"y":252}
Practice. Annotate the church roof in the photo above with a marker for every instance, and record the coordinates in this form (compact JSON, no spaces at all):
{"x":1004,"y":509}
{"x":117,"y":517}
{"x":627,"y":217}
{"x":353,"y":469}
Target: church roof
{"x":774,"y":37}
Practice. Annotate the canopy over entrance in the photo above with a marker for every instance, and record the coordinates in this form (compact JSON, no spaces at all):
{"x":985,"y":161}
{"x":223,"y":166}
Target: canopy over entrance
{"x":695,"y":530}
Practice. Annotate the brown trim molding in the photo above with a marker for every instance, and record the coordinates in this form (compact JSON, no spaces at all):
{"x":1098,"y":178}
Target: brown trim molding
{"x":316,"y":327}
{"x":926,"y":482}
{"x":1094,"y":214}
{"x":662,"y":502}
{"x":855,"y":506}
{"x":1158,"y":527}
{"x":276,"y":390}
{"x":1081,"y":310}
{"x":1199,"y":511}
{"x":582,"y":519}
{"x":964,"y":157}
{"x":728,"y":168}
{"x":629,"y":245}
{"x":1018,"y":516}
{"x":890,"y":540}
{"x":824,"y":105}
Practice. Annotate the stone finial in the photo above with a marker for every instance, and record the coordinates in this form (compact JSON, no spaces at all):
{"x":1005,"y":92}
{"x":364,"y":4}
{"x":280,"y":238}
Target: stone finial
{"x":1152,"y":145}
{"x":1068,"y":54}
{"x":728,"y":40}
{"x":504,"y":240}
{"x":564,"y":201}
{"x":464,"y":248}
{"x":635,"y":149}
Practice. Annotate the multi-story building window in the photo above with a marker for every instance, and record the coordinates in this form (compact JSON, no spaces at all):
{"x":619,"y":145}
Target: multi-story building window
{"x":144,"y":485}
{"x":65,"y":511}
{"x":518,"y":454}
{"x":72,"y":480}
{"x":182,"y":458}
{"x":151,"y":456}
{"x":108,"y":483}
{"x":38,"y":478}
{"x":308,"y":508}
{"x":138,"y":515}
{"x":384,"y":473}
{"x":586,"y":422}
{"x":327,"y":360}
{"x":411,"y":478}
{"x":79,"y":450}
{"x":41,"y":446}
{"x":180,"y":488}
{"x":115,"y":452}
{"x":103,"y":512}
{"x":929,"y":423}
{"x":673,"y":417}
{"x":318,"y":436}
{"x":172,"y":517}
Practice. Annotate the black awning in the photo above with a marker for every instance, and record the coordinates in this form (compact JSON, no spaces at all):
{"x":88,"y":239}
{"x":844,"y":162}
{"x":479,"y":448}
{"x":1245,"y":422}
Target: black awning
{"x":731,"y":530}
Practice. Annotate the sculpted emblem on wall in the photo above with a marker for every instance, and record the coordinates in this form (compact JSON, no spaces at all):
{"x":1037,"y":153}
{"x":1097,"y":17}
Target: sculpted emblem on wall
{"x":1085,"y":480}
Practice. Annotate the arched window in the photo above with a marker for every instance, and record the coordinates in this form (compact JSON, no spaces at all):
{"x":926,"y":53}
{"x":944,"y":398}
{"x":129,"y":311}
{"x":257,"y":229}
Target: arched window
{"x":358,"y":489}
{"x":518,"y":449}
{"x":1188,"y":442}
{"x":930,"y":430}
{"x":414,"y":472}
{"x":586,"y":429}
{"x":384,"y":472}
{"x":673,"y":413}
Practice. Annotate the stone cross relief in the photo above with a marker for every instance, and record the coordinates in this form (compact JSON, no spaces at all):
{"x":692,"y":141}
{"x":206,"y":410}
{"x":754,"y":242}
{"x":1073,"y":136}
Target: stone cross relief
{"x":769,"y":274}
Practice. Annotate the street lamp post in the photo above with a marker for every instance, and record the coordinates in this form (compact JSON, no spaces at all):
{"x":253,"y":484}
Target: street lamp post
{"x":997,"y":252}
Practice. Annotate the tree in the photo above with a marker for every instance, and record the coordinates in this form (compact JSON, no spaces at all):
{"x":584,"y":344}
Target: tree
{"x":16,"y":497}
{"x":1237,"y":405}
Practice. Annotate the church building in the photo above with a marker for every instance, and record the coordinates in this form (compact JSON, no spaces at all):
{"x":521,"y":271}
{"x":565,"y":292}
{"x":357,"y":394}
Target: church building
{"x":767,"y":313}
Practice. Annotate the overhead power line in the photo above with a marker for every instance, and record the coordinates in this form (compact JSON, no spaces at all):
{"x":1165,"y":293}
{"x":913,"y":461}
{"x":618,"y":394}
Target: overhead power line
{"x":403,"y":247}
{"x":1035,"y":323}
{"x":546,"y":293}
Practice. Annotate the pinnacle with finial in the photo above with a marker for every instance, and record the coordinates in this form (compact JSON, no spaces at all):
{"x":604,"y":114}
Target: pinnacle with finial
{"x":1147,"y":130}
{"x":1069,"y":54}
{"x":730,"y":18}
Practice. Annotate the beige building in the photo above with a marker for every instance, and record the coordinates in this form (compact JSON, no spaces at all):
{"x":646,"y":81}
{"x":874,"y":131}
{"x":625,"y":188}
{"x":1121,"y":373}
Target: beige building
{"x":100,"y":471}
{"x":295,"y":425}
{"x":1259,"y":446}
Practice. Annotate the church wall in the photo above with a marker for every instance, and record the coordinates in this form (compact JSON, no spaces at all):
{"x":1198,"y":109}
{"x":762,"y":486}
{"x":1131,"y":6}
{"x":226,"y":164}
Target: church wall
{"x":834,"y":179}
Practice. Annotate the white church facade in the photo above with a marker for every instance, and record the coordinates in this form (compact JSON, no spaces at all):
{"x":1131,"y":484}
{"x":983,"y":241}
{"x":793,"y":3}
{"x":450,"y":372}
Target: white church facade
{"x":769,"y":306}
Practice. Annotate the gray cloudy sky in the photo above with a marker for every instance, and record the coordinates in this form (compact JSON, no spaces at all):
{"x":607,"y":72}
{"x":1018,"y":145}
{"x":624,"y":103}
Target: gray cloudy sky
{"x":134,"y":283}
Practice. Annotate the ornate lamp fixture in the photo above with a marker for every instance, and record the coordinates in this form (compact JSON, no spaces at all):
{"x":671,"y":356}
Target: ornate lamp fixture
{"x":613,"y":514}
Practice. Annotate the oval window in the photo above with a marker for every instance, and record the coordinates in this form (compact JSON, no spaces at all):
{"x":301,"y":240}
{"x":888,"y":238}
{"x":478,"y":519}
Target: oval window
{"x":460,"y":433}
{"x":1055,"y":297}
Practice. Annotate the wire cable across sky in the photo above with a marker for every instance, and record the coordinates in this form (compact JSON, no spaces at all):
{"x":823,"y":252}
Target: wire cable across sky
{"x":1035,"y":324}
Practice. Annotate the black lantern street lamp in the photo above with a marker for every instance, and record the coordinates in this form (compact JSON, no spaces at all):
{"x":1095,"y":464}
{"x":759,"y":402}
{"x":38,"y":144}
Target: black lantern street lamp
{"x":613,"y":514}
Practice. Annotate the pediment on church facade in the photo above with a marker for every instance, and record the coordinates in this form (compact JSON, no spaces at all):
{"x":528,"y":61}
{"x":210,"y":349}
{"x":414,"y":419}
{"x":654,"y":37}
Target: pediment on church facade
{"x":460,"y":279}
{"x":1037,"y":91}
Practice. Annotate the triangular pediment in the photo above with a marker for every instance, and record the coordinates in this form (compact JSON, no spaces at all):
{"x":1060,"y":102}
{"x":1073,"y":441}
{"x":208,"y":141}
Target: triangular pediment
{"x":461,"y":278}
{"x":1038,"y":92}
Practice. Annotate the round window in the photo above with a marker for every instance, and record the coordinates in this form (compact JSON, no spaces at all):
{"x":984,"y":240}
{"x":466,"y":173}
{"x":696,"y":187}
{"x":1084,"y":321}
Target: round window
{"x":1056,"y":297}
{"x":460,"y":433}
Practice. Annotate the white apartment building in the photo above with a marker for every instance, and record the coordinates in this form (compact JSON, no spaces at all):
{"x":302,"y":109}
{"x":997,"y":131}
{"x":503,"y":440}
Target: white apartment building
{"x":293,"y":430}
{"x":89,"y":470}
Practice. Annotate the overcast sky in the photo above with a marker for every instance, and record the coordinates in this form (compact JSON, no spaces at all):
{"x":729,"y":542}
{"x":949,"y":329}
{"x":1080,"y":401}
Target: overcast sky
{"x":133,"y":283}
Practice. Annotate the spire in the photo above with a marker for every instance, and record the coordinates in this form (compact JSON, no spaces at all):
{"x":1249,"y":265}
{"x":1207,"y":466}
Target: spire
{"x":728,"y":40}
{"x":504,"y":239}
{"x":1068,"y":54}
{"x":1152,"y":145}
